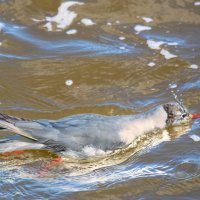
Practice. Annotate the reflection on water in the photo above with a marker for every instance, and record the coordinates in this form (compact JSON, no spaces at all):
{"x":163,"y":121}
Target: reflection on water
{"x":75,"y":165}
{"x":118,"y":66}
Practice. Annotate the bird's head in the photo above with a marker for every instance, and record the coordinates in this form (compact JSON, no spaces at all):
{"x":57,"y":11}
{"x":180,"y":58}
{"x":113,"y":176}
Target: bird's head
{"x":176,"y":113}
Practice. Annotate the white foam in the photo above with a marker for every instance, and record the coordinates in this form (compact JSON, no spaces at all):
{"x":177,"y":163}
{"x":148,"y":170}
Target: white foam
{"x":172,"y":85}
{"x":87,"y":22}
{"x":167,"y":54}
{"x":64,"y":17}
{"x":122,"y":48}
{"x":71,"y":32}
{"x":197,"y":3}
{"x":154,"y":44}
{"x":117,"y":22}
{"x":147,"y":19}
{"x":92,"y":151}
{"x":109,"y":23}
{"x":151,"y":64}
{"x":139,"y":28}
{"x":69,"y":82}
{"x":196,"y":138}
{"x":122,"y":38}
{"x":37,"y":20}
{"x":194,"y":66}
{"x":48,"y":25}
{"x":172,"y":43}
{"x":1,"y":26}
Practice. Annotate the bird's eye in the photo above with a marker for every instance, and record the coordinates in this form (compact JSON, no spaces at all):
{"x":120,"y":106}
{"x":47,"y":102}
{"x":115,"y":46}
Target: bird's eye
{"x":184,"y":115}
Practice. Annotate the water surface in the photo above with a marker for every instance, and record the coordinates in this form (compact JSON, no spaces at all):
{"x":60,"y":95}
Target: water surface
{"x":114,"y":72}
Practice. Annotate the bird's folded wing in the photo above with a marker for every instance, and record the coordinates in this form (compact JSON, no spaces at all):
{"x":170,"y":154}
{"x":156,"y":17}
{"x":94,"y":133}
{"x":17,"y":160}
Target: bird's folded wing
{"x":13,"y":128}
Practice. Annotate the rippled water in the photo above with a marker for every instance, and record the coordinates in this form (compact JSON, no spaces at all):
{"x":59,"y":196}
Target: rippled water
{"x":59,"y":58}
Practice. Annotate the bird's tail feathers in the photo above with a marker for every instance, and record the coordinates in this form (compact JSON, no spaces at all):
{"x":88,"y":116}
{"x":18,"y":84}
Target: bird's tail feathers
{"x":7,"y":122}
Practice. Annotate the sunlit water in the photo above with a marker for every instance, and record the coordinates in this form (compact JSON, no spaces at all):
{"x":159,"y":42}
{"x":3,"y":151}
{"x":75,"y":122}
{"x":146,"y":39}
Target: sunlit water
{"x":59,"y":58}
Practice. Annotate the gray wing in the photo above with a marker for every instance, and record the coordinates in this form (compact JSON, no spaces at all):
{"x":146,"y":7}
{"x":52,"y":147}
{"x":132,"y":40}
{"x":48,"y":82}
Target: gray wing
{"x":77,"y":131}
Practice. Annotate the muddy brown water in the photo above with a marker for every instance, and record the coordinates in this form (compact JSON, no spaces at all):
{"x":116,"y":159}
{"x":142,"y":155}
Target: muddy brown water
{"x":114,"y":71}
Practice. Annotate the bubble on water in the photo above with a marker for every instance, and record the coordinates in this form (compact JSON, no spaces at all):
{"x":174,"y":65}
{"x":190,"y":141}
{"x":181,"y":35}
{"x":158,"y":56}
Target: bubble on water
{"x":87,"y":22}
{"x":122,"y":48}
{"x":151,"y":64}
{"x":109,"y":23}
{"x":117,"y":22}
{"x":71,"y":32}
{"x":193,"y":66}
{"x":195,"y":138}
{"x":122,"y":38}
{"x":69,"y":82}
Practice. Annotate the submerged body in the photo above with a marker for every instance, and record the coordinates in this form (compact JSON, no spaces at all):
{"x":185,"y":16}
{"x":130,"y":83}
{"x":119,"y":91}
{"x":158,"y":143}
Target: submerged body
{"x":104,"y":133}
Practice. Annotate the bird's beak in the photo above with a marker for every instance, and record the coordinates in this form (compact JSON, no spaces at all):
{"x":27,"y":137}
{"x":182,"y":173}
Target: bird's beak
{"x":195,"y":116}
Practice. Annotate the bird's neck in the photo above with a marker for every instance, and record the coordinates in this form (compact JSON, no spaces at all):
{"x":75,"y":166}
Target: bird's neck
{"x":143,"y":124}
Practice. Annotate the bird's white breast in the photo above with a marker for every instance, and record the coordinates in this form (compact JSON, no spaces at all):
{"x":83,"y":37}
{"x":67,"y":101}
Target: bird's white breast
{"x":143,"y":124}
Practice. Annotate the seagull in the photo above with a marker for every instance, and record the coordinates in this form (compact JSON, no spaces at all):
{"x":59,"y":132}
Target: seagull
{"x":82,"y":131}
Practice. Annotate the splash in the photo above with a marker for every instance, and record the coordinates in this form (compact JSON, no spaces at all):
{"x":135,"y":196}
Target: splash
{"x":177,"y":95}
